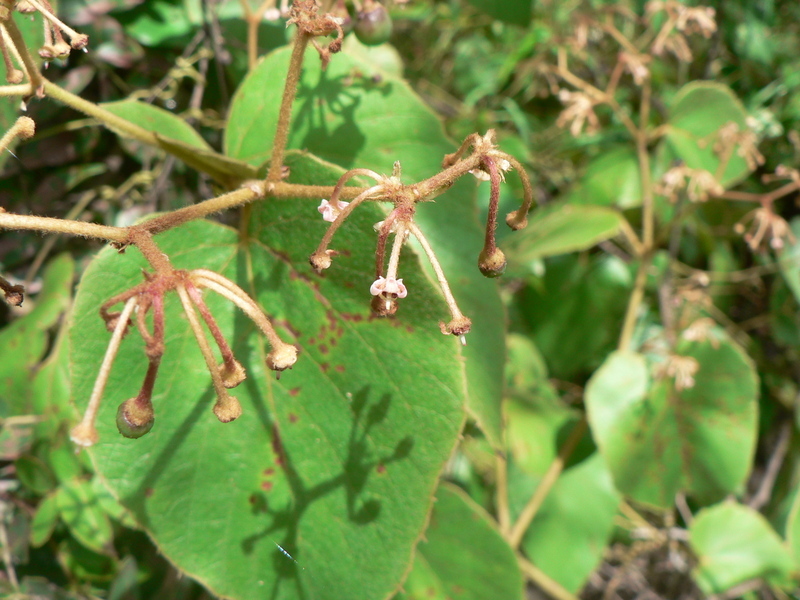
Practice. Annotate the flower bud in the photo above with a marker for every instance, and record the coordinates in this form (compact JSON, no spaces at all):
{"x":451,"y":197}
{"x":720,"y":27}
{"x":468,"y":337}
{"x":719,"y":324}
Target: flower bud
{"x":227,"y":408}
{"x":321,"y":260}
{"x":135,"y":417}
{"x":26,"y":125}
{"x":516,"y":221}
{"x":84,"y":434}
{"x":383,"y":307}
{"x":282,"y":357}
{"x":458,"y":326}
{"x":492,"y":264}
{"x":232,"y":374}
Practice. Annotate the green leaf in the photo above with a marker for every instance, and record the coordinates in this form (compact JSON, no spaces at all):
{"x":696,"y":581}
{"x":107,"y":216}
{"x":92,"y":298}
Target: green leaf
{"x":180,"y":139}
{"x":562,"y":228}
{"x":463,"y":555}
{"x":611,"y":179}
{"x":699,"y":110}
{"x":155,"y":119}
{"x":789,"y":260}
{"x":574,"y":313}
{"x":659,"y":439}
{"x":733,"y":544}
{"x":568,"y":536}
{"x":516,"y":12}
{"x":34,"y":474}
{"x":345,"y":116}
{"x":336,"y":461}
{"x":24,"y":341}
{"x":78,"y":508}
{"x":44,"y":521}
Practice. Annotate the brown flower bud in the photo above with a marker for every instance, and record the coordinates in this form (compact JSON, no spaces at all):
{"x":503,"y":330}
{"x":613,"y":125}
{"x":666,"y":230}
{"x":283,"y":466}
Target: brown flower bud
{"x":135,"y":417}
{"x":232,"y":374}
{"x":227,"y":408}
{"x":458,"y":326}
{"x":321,"y":260}
{"x":383,"y":307}
{"x":282,"y":358}
{"x":492,"y":264}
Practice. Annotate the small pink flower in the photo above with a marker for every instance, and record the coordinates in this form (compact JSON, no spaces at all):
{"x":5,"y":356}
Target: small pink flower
{"x":331,"y":210}
{"x":392,"y":288}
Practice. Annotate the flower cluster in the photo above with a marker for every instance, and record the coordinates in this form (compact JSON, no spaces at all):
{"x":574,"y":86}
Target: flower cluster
{"x":485,"y":162}
{"x":54,"y":45}
{"x":681,"y":21}
{"x":135,"y":417}
{"x":698,"y":183}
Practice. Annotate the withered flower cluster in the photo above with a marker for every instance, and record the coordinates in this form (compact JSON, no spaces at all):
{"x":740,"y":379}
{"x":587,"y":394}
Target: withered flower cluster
{"x":486,"y":162}
{"x":135,"y":416}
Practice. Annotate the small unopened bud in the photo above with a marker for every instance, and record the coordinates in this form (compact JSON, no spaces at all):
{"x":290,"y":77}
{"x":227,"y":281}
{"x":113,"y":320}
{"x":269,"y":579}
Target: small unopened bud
{"x":516,"y":221}
{"x":321,"y":260}
{"x":227,"y":408}
{"x":5,"y":13}
{"x":26,"y":127}
{"x":15,"y":75}
{"x":492,"y":264}
{"x":383,"y":307}
{"x":458,"y":326}
{"x":135,"y":417}
{"x":232,"y":374}
{"x":80,"y":41}
{"x":282,"y":357}
{"x":15,"y":295}
{"x":84,"y":434}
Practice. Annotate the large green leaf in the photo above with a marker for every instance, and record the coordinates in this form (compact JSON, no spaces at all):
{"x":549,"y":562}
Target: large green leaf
{"x":659,"y":439}
{"x":335,"y":464}
{"x":568,"y":536}
{"x":180,"y":139}
{"x":347,"y":116}
{"x":463,"y":555}
{"x":611,"y":179}
{"x":734,"y":543}
{"x":562,"y":228}
{"x":700,"y":109}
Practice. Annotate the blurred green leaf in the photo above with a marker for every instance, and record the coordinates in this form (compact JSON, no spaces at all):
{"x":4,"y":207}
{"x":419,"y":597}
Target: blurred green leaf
{"x":78,"y":508}
{"x":34,"y":474}
{"x":733,"y":544}
{"x":659,"y":439}
{"x":516,"y":12}
{"x":698,"y":112}
{"x":568,"y":536}
{"x":611,"y":179}
{"x":559,"y":229}
{"x":44,"y":520}
{"x":463,"y":555}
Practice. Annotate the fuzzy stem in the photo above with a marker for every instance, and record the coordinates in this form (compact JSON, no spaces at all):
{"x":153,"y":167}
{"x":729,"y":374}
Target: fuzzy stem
{"x":326,"y":239}
{"x":489,"y":243}
{"x":383,"y":236}
{"x":337,"y":190}
{"x":237,"y":295}
{"x":85,"y":433}
{"x":34,"y":76}
{"x":397,"y":245}
{"x":50,"y":225}
{"x":54,"y":20}
{"x":224,"y":348}
{"x":545,"y":485}
{"x":285,"y":114}
{"x":202,"y":342}
{"x":437,"y":268}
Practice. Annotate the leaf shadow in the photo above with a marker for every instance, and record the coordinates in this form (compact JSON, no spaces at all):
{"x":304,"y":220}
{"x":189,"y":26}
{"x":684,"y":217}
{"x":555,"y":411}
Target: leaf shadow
{"x":339,"y":96}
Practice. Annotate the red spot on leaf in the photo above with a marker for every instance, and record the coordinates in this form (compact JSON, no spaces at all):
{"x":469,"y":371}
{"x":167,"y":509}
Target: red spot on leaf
{"x":324,"y":367}
{"x":294,"y":391}
{"x":148,"y":492}
{"x":266,"y":486}
{"x":323,"y":348}
{"x":381,"y":469}
{"x":293,"y":418}
{"x":268,"y":472}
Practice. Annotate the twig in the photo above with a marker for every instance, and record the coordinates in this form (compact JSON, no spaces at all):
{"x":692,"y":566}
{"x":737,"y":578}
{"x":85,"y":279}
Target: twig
{"x":764,"y":492}
{"x":546,"y":583}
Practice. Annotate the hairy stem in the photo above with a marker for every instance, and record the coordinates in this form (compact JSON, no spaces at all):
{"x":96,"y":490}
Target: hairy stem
{"x":285,"y":115}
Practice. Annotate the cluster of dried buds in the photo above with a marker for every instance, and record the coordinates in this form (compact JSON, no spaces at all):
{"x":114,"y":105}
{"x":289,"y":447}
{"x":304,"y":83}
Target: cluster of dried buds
{"x":135,"y":416}
{"x":55,"y":46}
{"x":485,"y":162}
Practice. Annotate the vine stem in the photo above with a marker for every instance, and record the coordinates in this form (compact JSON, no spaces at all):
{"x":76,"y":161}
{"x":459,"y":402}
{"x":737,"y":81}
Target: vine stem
{"x":533,"y":505}
{"x":285,"y":115}
{"x":541,"y":579}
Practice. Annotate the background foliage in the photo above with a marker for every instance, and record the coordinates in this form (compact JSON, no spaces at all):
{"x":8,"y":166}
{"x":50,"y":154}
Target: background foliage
{"x":582,"y":444}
